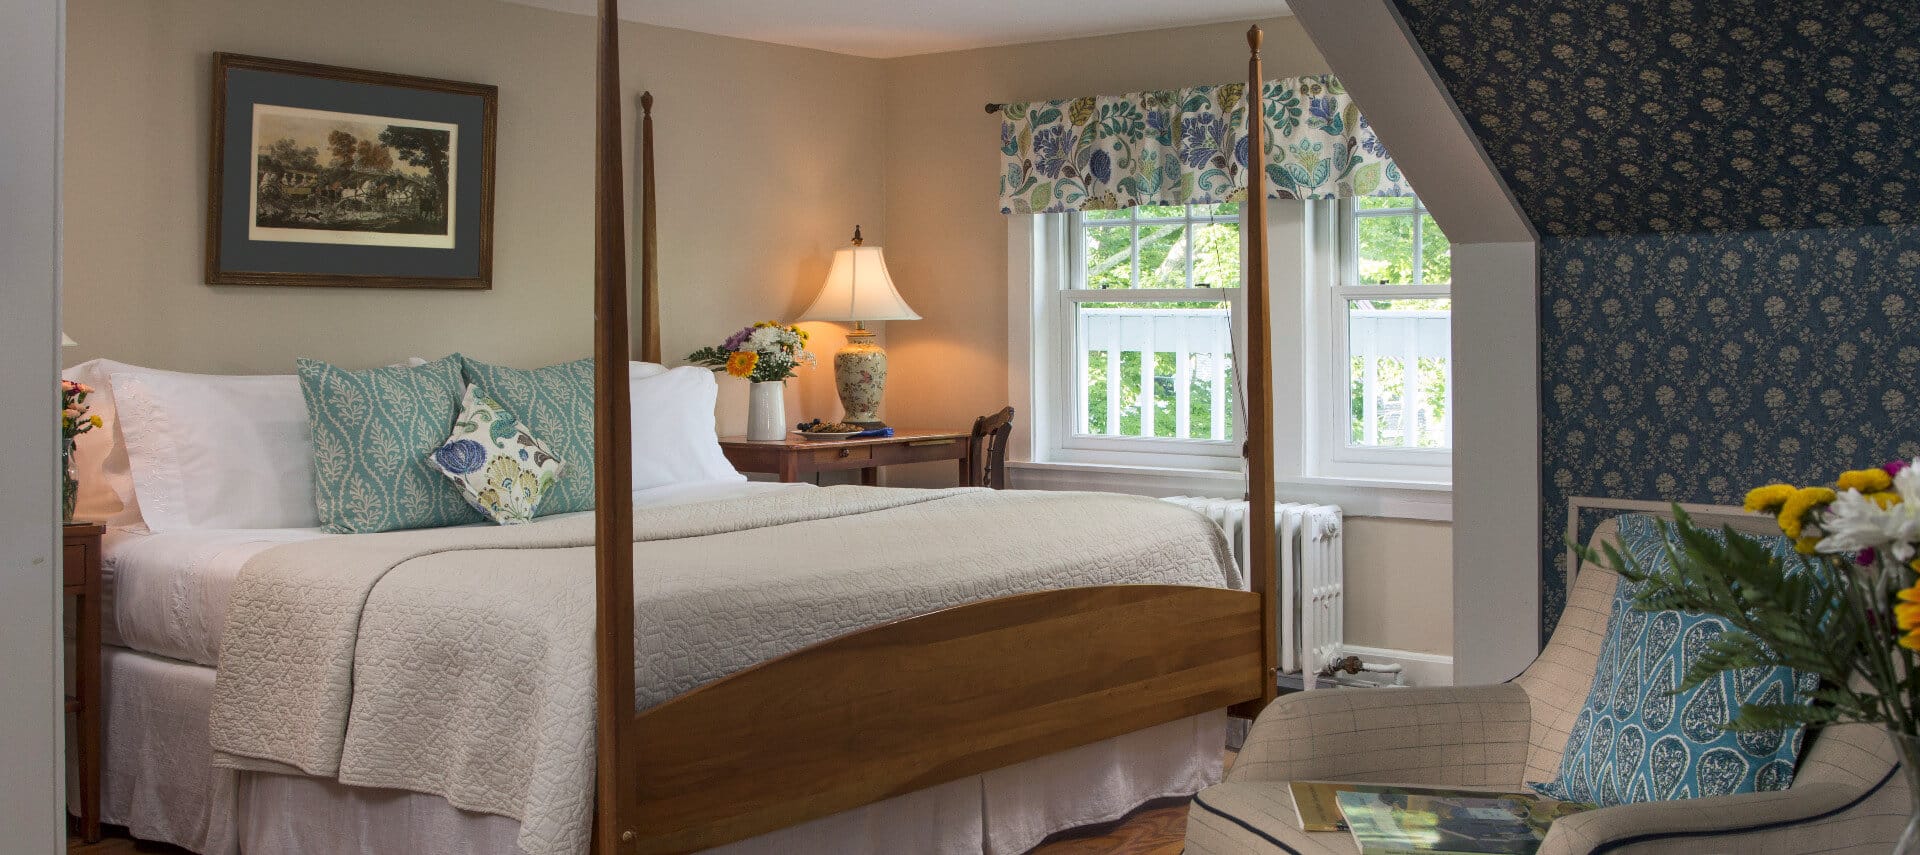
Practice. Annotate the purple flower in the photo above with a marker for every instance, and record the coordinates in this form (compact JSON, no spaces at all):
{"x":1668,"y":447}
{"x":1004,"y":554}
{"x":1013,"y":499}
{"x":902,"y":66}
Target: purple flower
{"x":1866,"y":557}
{"x":1895,"y":467}
{"x":460,"y":457}
{"x":734,"y":341}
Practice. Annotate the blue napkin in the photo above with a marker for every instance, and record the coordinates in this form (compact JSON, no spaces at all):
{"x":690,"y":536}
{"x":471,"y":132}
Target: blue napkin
{"x":882,"y":431}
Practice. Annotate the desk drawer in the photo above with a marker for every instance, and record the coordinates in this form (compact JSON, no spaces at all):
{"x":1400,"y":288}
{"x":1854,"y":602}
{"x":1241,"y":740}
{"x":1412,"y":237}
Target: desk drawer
{"x":926,"y":449}
{"x":73,"y":564}
{"x":849,"y":454}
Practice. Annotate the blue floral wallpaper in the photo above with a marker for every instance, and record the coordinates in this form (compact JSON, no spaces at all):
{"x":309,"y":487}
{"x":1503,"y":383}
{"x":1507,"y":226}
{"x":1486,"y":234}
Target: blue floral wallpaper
{"x":1728,"y":193}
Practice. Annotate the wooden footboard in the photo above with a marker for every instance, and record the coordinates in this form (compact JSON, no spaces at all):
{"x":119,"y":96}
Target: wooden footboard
{"x":933,"y":698}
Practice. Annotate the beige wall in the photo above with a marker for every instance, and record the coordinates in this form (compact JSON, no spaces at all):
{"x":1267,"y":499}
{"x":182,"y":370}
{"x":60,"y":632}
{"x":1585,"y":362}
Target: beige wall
{"x":767,"y":157}
{"x":947,"y":249}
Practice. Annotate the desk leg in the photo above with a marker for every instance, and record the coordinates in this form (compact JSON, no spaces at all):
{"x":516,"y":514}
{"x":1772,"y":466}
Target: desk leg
{"x":966,"y":472}
{"x":87,"y":692}
{"x":870,"y":476}
{"x":789,"y":468}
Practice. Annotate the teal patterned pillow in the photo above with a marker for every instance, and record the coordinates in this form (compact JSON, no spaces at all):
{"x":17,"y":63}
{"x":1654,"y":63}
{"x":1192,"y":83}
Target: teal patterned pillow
{"x":501,"y":470}
{"x":372,"y":432}
{"x":556,"y":404}
{"x":1636,"y":741}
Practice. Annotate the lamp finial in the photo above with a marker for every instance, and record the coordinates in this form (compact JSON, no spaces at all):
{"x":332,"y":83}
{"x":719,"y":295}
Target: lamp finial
{"x":857,"y":239}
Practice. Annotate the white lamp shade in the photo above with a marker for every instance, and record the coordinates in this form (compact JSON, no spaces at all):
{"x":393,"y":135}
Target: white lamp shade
{"x":859,"y":289}
{"x":67,"y":341}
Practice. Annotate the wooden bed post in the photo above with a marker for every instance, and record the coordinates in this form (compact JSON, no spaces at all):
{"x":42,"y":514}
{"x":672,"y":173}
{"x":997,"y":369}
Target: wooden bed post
{"x":615,"y":723}
{"x":649,"y":241}
{"x":1262,"y":566}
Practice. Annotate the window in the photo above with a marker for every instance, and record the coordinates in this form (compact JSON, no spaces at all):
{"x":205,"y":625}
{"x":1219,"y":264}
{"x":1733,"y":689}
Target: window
{"x":1146,"y":309}
{"x":1126,"y":353}
{"x":1390,"y":319}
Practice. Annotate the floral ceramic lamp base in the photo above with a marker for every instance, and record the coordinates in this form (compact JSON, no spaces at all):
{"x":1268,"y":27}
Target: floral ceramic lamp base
{"x":860,"y":372}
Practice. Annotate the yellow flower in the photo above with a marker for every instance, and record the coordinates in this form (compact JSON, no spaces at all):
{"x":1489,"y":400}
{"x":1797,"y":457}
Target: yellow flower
{"x":1864,"y":480}
{"x":1807,"y":545}
{"x":1769,"y":497}
{"x":95,"y":420}
{"x":741,"y":363}
{"x":1885,"y":498}
{"x":1907,"y":614}
{"x":1794,"y":512}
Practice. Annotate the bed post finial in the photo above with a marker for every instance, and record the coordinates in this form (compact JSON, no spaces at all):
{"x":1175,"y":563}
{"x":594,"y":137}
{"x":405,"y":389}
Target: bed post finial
{"x":646,"y":103}
{"x":1254,"y":37}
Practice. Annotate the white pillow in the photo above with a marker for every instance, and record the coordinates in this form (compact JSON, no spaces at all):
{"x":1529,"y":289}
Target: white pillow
{"x":100,"y":456}
{"x":674,"y":440}
{"x":208,"y":451}
{"x":637,"y":370}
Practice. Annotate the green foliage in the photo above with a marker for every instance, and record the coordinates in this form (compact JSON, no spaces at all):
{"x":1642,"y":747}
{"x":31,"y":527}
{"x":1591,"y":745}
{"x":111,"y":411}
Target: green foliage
{"x":1814,"y":614}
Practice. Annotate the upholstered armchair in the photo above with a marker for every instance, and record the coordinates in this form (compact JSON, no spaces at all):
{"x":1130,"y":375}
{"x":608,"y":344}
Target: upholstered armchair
{"x":1846,"y":796}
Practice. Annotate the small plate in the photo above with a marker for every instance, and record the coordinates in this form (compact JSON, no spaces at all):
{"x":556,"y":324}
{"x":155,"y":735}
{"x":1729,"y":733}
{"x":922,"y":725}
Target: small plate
{"x":822,"y":437}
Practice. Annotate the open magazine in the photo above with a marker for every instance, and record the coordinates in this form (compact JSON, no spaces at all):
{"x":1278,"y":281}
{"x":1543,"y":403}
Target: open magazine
{"x":1316,"y":807}
{"x":1412,"y":824}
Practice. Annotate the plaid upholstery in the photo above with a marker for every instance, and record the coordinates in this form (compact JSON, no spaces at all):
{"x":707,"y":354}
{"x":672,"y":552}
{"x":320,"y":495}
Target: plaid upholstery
{"x":1503,"y":736}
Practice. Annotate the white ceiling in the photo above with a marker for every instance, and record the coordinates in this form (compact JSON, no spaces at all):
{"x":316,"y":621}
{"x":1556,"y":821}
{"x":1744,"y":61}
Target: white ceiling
{"x":890,"y":28}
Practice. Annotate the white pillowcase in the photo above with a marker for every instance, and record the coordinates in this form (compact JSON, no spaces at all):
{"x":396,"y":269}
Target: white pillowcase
{"x":216,"y":452}
{"x":674,"y":440}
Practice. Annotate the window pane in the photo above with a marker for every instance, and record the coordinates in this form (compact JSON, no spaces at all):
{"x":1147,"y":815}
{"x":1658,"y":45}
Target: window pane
{"x":1216,"y":255}
{"x":1388,"y":405}
{"x":1121,"y":214}
{"x":1162,"y":211}
{"x":1163,"y":256}
{"x":1109,"y":257}
{"x":1436,"y":256}
{"x":1158,"y":370}
{"x":1375,"y":203}
{"x":1385,"y":250}
{"x":1224,"y":210}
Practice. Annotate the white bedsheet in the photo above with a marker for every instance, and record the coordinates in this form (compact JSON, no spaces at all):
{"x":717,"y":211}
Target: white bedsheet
{"x":161,"y":784}
{"x":166,"y":593}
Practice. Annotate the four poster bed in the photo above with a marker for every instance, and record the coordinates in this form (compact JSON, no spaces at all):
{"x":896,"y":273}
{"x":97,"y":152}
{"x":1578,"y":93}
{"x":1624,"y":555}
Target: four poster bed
{"x":922,"y":700}
{"x":454,"y":689}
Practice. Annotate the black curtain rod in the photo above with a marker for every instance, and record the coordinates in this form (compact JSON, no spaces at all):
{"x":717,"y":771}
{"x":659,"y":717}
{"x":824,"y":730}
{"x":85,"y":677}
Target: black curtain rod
{"x":994,"y":108}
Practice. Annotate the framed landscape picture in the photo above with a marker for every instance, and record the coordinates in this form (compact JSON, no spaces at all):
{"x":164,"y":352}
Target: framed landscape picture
{"x":335,"y":176}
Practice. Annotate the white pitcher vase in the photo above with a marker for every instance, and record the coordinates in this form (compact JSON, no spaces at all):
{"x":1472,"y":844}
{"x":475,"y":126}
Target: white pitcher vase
{"x":767,"y":411}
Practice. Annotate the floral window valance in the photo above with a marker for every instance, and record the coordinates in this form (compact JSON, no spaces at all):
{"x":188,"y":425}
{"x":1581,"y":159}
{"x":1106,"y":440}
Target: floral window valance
{"x":1188,"y":146}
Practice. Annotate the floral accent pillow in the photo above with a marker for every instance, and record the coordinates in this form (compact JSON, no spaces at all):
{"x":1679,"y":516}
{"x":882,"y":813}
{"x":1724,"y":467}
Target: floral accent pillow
{"x":499,"y":467}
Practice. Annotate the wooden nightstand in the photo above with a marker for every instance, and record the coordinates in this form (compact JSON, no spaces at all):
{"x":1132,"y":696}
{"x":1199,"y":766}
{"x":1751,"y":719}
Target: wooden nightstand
{"x":80,"y":576}
{"x":794,"y":458}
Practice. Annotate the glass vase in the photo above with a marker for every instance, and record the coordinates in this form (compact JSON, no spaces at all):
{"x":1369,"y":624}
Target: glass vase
{"x":69,"y":481}
{"x":1909,"y":747}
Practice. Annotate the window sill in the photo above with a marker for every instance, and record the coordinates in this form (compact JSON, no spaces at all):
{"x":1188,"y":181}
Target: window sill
{"x":1356,"y":497}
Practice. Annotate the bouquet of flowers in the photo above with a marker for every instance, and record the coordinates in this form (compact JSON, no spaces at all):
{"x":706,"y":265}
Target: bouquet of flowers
{"x":1846,"y":607}
{"x":74,"y":419}
{"x":764,"y":352}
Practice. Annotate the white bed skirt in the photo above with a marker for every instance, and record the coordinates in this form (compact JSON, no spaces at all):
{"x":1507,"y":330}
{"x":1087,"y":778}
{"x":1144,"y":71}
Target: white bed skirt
{"x":161,"y":784}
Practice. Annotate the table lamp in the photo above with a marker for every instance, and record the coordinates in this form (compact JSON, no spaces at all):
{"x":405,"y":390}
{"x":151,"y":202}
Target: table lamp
{"x":859,"y":289}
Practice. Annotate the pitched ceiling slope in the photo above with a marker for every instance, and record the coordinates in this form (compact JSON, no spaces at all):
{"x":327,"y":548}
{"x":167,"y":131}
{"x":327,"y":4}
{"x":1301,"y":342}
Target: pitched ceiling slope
{"x":1614,"y":117}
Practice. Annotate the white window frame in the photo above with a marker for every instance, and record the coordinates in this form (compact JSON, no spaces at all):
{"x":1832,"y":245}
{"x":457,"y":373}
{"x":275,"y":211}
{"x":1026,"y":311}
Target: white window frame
{"x":1336,"y":237}
{"x":1059,"y":259}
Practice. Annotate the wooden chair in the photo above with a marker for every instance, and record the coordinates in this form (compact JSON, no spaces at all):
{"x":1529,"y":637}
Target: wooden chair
{"x":987,"y":450}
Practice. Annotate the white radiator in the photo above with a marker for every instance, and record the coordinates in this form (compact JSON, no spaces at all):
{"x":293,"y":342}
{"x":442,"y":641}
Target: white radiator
{"x":1312,"y":575}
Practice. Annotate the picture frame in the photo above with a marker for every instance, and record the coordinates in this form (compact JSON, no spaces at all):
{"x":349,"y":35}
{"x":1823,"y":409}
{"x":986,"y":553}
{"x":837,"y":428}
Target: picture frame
{"x":320,"y":175}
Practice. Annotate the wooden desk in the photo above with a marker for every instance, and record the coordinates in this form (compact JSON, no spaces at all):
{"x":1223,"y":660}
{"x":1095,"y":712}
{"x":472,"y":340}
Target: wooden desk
{"x":80,"y":577}
{"x":794,"y":458}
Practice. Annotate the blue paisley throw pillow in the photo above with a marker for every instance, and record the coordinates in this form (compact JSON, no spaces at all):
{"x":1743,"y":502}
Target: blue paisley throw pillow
{"x":556,"y":404}
{"x":372,"y":432}
{"x":1634,"y":741}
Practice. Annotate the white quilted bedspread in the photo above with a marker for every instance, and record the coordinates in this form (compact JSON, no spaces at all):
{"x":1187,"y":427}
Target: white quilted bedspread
{"x":459,"y":662}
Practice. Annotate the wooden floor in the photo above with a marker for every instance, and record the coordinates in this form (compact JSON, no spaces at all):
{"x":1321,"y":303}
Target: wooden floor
{"x":1157,"y":828}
